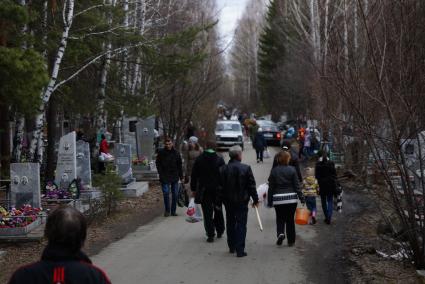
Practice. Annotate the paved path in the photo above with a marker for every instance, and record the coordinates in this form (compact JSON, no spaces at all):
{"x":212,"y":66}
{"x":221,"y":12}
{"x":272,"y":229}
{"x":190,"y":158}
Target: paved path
{"x":170,"y":250}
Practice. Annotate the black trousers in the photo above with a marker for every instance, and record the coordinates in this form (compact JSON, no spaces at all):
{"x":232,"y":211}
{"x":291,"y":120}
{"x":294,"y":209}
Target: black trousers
{"x":213,"y":215}
{"x":236,"y":219}
{"x":259,"y":154}
{"x":285,"y":214}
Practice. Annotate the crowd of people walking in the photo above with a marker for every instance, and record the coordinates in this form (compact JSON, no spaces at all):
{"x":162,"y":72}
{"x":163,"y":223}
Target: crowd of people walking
{"x":214,"y":184}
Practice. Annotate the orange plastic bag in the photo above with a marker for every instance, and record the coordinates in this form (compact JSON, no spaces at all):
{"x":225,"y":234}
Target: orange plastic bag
{"x":301,"y":216}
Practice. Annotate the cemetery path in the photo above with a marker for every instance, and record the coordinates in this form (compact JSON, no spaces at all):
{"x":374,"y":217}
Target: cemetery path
{"x":170,"y":250}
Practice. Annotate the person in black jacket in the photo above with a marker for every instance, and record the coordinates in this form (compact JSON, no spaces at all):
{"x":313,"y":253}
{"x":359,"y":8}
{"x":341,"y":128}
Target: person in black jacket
{"x":62,"y":260}
{"x":286,"y":147}
{"x":170,"y":170}
{"x":259,"y":144}
{"x":326,"y":177}
{"x":284,"y":192}
{"x":237,"y":187}
{"x":205,"y":182}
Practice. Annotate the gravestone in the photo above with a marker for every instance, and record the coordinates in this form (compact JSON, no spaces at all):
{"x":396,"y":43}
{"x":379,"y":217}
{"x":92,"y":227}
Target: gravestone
{"x":25,"y":184}
{"x":145,"y":137}
{"x":123,"y":162}
{"x":129,"y":132}
{"x":66,"y":168}
{"x":83,"y":163}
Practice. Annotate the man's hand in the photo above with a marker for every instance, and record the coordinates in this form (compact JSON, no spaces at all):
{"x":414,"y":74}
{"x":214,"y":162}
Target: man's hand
{"x":255,"y":204}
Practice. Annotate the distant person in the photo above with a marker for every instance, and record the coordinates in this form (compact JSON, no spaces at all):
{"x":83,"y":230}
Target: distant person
{"x":205,"y":182}
{"x":194,"y":150}
{"x":301,"y":140}
{"x":294,"y":162}
{"x":62,"y":260}
{"x":283,"y":194}
{"x":170,"y":170}
{"x":237,"y":187}
{"x":103,"y":148}
{"x":310,"y":191}
{"x":259,"y":144}
{"x":326,"y":176}
{"x":190,"y":130}
{"x":253,"y":128}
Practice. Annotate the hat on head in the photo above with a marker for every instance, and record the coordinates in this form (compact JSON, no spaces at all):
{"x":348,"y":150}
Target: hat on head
{"x":286,"y":145}
{"x":193,"y":139}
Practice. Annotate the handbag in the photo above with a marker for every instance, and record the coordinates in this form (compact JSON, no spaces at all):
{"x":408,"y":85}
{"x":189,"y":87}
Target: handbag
{"x":183,"y":197}
{"x":338,"y":188}
{"x":266,"y":154}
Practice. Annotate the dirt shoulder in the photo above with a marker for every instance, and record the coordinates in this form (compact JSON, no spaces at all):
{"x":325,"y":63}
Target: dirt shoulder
{"x":345,"y":252}
{"x":132,"y":213}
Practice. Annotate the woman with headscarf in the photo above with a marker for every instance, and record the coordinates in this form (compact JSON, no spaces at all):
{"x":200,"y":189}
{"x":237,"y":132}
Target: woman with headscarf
{"x":326,"y":176}
{"x":193,"y":152}
{"x":259,"y":144}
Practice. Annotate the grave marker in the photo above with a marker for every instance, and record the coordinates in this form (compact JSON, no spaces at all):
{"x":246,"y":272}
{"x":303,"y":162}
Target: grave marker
{"x":145,"y":137}
{"x":83,"y":163}
{"x":123,"y":162}
{"x":25,"y":185}
{"x":66,"y":168}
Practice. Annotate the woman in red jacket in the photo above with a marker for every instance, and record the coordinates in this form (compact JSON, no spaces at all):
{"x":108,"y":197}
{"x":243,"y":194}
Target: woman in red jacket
{"x":103,"y":148}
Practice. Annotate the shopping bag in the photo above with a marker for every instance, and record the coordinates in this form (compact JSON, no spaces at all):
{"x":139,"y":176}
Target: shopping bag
{"x":191,"y":208}
{"x":194,"y":213}
{"x":266,"y":154}
{"x":106,"y":157}
{"x":262,"y":193}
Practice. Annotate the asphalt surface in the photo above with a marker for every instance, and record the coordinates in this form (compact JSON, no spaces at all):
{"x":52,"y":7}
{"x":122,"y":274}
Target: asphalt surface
{"x":170,"y":250}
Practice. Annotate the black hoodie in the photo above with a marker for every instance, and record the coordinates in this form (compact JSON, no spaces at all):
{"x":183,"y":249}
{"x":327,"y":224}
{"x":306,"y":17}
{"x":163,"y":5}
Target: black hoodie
{"x":59,"y":265}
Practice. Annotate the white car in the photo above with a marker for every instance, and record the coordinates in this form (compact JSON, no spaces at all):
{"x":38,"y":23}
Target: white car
{"x":228,"y":133}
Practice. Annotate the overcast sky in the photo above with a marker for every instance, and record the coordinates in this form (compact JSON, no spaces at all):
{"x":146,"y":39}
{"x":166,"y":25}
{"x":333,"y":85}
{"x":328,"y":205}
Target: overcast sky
{"x":230,"y":12}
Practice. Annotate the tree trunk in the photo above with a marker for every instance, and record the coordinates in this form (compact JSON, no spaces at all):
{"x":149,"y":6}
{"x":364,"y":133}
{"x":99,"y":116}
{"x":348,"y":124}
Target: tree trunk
{"x":18,"y":138}
{"x":36,"y":142}
{"x":4,"y":141}
{"x":52,"y":120}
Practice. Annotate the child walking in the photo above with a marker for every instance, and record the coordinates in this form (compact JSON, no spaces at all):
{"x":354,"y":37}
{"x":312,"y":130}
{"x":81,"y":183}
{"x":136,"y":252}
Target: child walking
{"x":310,"y":191}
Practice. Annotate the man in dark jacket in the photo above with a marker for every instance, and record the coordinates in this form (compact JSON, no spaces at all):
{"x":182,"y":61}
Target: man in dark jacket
{"x":170,"y":170}
{"x":237,"y":187}
{"x":286,"y":146}
{"x":62,"y":260}
{"x":205,"y":182}
{"x":325,"y":173}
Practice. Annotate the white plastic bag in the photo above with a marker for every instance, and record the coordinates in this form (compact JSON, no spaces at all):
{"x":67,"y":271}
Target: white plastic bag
{"x":106,"y":157}
{"x":193,"y":212}
{"x":191,"y":208}
{"x":266,"y":154}
{"x":262,"y":193}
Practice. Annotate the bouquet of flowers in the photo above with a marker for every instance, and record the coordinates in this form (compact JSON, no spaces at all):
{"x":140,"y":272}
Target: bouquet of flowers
{"x":18,"y":217}
{"x":54,"y":192}
{"x":143,"y":161}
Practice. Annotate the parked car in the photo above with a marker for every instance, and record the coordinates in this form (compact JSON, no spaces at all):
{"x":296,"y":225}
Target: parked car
{"x":228,"y":133}
{"x":271,"y":131}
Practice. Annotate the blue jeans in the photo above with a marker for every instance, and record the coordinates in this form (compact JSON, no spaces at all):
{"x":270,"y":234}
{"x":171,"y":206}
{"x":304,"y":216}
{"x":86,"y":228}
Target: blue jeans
{"x":174,"y":193}
{"x":236,"y":219}
{"x":310,"y":201}
{"x":327,"y":205}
